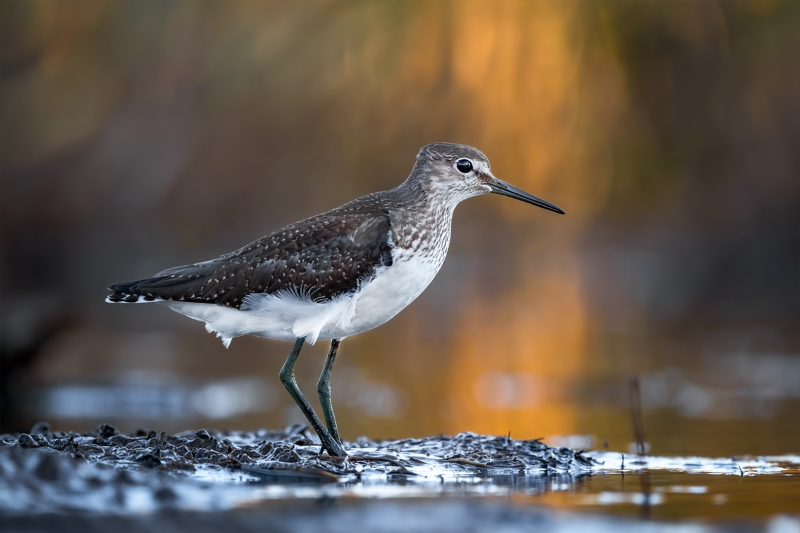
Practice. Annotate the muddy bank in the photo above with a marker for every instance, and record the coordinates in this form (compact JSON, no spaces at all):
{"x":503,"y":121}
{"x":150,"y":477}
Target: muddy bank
{"x":112,"y":473}
{"x":279,"y":481}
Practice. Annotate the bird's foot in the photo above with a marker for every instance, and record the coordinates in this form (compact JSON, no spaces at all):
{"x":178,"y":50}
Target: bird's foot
{"x":331,"y":444}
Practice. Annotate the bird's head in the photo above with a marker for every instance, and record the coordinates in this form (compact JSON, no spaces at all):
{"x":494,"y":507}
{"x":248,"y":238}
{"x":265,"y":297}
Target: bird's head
{"x":455,"y":172}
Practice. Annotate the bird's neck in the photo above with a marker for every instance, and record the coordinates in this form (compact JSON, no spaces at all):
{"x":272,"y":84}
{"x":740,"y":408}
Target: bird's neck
{"x":420,"y":220}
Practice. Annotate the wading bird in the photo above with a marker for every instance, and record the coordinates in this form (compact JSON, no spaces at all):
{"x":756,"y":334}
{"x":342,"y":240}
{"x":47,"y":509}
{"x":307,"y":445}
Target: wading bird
{"x":332,"y":275}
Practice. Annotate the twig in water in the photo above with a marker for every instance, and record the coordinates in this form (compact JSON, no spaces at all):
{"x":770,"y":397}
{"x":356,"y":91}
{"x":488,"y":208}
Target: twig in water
{"x":636,"y":415}
{"x":638,"y":431}
{"x":465,"y":461}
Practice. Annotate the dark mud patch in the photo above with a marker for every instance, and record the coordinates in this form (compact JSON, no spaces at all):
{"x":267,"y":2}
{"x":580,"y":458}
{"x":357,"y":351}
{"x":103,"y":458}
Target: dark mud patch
{"x":278,"y":480}
{"x":109,"y":472}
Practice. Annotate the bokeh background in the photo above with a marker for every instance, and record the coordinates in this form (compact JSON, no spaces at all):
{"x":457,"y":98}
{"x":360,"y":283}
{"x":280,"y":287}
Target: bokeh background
{"x":142,"y":135}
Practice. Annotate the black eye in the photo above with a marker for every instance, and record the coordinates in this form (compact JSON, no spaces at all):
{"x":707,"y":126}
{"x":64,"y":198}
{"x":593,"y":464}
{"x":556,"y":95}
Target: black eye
{"x":464,"y":165}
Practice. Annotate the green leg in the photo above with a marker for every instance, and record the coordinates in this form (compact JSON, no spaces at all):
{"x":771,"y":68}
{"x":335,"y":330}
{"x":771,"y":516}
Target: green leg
{"x":287,"y":378}
{"x":324,"y":391}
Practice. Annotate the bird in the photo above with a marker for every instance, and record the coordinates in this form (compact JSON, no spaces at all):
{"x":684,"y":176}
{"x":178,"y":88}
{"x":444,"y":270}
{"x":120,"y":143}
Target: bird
{"x":333,"y":275}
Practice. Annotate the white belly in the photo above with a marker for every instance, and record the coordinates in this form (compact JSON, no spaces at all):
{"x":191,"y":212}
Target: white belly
{"x":389,"y":293}
{"x":288,"y":316}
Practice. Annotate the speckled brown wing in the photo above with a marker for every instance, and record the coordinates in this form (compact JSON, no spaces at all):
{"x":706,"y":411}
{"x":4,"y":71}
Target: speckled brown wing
{"x":323,"y":256}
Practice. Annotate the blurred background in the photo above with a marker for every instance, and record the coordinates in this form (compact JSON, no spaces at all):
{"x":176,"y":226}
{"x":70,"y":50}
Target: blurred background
{"x":143,"y":135}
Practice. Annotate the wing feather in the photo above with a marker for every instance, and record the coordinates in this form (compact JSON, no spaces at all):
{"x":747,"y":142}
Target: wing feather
{"x":324,"y":256}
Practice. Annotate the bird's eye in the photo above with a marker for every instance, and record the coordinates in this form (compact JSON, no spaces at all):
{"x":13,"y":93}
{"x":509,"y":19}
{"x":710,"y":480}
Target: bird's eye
{"x":464,"y":165}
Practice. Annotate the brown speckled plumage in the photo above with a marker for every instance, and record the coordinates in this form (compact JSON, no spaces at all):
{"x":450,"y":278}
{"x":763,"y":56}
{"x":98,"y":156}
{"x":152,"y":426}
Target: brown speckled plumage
{"x":323,"y":256}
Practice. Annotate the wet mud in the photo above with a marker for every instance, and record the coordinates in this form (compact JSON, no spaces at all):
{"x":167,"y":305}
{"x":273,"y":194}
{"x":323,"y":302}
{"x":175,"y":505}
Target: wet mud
{"x":106,"y":471}
{"x":279,"y":480}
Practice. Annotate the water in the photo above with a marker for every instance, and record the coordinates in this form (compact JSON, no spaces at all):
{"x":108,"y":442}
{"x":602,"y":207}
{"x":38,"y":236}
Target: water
{"x":106,"y":474}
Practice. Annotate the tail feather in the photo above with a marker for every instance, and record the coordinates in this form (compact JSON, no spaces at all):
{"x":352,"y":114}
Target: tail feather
{"x":155,"y":289}
{"x":128,"y":292}
{"x":183,"y":283}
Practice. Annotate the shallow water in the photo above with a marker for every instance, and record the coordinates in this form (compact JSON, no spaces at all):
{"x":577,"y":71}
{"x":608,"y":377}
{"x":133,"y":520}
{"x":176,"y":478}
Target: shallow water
{"x":106,"y":474}
{"x":669,"y":488}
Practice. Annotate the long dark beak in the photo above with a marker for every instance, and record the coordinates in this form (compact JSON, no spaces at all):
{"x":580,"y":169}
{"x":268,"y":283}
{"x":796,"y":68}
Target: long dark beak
{"x":501,"y":187}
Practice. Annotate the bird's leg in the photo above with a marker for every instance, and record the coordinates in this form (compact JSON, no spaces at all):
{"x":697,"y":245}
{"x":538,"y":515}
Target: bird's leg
{"x":287,"y":378}
{"x":324,"y":391}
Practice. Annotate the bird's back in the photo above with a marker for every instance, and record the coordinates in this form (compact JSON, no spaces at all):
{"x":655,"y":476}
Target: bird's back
{"x":321,"y":257}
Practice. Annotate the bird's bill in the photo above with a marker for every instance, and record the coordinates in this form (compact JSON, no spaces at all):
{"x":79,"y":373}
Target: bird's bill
{"x":501,"y":187}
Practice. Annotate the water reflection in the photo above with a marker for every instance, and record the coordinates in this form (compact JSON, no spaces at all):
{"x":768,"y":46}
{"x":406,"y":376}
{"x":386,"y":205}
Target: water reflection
{"x":152,"y":402}
{"x":735,"y":386}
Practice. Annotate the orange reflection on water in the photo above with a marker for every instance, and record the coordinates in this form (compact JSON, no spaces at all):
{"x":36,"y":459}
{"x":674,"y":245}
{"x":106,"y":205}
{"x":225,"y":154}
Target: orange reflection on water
{"x":515,"y":350}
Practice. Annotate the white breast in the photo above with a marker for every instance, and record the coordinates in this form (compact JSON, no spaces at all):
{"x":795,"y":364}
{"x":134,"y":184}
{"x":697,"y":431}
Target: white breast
{"x":392,"y":289}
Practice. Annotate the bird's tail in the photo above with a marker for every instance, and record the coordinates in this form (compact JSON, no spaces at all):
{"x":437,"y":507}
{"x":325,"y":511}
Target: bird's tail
{"x":186,"y":283}
{"x":128,"y":292}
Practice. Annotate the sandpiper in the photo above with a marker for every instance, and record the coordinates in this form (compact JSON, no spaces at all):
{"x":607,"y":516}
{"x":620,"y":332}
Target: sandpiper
{"x":332,"y":275}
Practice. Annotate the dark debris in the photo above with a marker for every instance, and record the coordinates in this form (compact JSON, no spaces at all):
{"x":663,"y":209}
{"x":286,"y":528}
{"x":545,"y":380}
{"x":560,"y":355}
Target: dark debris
{"x":64,"y":466}
{"x":297,"y":449}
